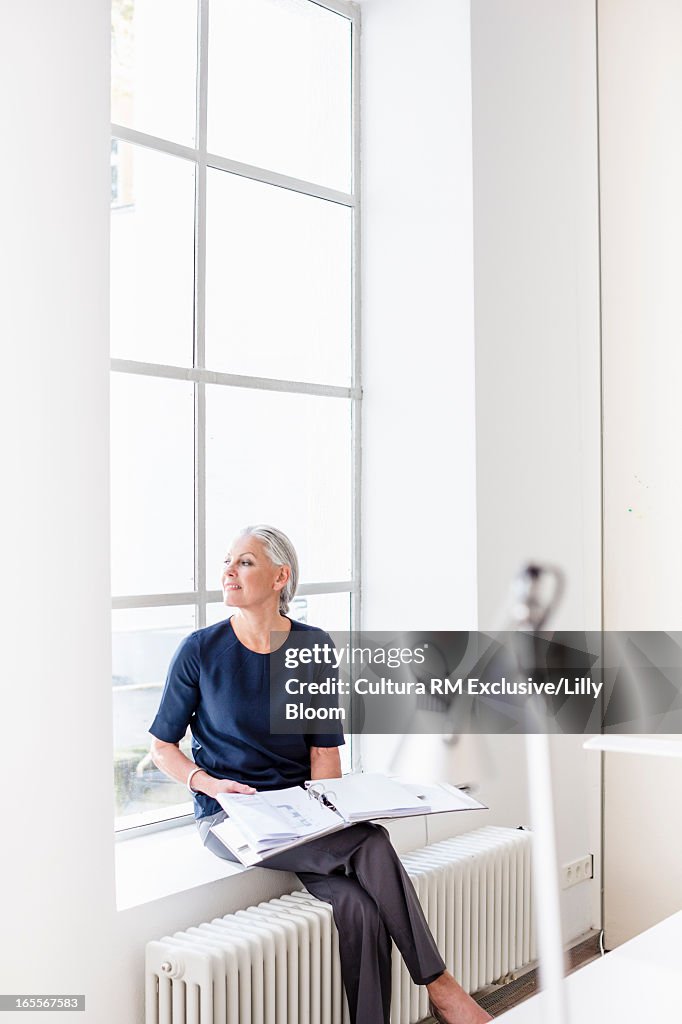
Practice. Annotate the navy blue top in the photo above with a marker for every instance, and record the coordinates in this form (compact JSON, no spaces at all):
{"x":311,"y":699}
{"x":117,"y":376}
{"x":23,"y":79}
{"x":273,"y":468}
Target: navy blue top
{"x":221,"y":689}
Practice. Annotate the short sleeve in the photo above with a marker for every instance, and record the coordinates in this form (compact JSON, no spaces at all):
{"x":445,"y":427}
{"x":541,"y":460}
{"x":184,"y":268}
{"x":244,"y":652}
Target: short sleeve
{"x":180,"y":695}
{"x":326,"y":739}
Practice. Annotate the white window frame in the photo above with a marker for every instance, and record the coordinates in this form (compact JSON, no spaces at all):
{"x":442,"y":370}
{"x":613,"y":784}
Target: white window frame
{"x":200,"y":375}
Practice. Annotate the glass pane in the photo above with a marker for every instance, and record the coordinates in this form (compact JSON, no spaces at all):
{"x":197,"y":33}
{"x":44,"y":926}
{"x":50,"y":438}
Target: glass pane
{"x":278,"y":282}
{"x":279,"y":88}
{"x":284,"y":460}
{"x":152,"y":485}
{"x":216,"y":613}
{"x":154,"y":67}
{"x":152,"y":256}
{"x":143,"y":642}
{"x":328,"y":611}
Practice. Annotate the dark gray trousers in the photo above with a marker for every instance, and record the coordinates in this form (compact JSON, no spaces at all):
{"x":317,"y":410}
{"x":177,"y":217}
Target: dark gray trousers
{"x":373,"y":901}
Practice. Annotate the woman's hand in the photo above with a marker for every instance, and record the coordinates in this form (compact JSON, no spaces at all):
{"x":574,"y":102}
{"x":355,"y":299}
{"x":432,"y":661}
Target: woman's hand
{"x":171,"y":760}
{"x":225,"y":786}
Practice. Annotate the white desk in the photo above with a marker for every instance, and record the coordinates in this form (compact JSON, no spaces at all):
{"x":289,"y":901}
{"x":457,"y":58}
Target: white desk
{"x":637,"y":982}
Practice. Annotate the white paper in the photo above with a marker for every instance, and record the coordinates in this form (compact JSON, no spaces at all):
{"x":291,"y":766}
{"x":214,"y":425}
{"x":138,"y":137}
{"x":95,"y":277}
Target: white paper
{"x":272,"y":818}
{"x":366,"y":795}
{"x":444,"y":797}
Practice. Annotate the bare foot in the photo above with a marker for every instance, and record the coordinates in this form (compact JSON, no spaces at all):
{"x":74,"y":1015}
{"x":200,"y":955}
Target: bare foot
{"x":452,"y":1003}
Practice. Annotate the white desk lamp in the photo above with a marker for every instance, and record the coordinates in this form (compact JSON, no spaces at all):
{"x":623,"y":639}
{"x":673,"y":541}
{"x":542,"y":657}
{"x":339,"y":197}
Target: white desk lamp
{"x":531,"y":614}
{"x":536,"y":592}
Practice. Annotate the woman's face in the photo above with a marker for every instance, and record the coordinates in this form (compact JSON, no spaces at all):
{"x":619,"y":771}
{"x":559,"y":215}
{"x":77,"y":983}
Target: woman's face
{"x":249,"y":577}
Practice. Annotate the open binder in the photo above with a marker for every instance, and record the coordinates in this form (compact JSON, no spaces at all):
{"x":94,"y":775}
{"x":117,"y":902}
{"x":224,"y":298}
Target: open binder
{"x":261,"y":825}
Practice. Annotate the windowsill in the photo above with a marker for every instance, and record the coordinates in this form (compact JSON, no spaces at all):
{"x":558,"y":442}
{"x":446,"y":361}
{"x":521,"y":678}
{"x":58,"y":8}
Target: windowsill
{"x":172,"y":860}
{"x":163,"y":863}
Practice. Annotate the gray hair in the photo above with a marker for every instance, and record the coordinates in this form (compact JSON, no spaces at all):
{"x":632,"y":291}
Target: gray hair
{"x":280,"y":551}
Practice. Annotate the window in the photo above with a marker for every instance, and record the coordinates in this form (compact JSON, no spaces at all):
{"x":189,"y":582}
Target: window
{"x":234,"y":327}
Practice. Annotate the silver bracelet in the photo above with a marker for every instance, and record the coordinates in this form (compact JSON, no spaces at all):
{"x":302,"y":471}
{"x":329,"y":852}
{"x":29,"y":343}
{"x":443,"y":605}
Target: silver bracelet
{"x":189,"y":779}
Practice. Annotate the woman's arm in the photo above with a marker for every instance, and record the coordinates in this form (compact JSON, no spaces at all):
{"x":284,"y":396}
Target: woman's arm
{"x":325,"y":763}
{"x":171,"y":760}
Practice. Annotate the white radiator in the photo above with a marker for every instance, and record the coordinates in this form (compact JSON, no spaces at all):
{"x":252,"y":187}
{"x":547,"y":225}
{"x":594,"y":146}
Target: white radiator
{"x":278,"y":963}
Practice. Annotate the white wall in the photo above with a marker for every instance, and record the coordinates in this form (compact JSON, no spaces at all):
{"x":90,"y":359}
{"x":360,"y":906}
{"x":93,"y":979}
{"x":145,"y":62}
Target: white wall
{"x":57,"y":877}
{"x":537,"y":345}
{"x":419,"y":518}
{"x":419,"y":472}
{"x":537,"y":312}
{"x":640,"y":71}
{"x":640,"y":76}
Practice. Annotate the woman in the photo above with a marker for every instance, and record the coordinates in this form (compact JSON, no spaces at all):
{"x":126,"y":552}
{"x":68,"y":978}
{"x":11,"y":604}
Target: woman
{"x":218,"y":682}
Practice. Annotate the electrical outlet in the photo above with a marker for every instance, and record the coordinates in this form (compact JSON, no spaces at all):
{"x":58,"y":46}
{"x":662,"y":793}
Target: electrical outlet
{"x":579,"y":870}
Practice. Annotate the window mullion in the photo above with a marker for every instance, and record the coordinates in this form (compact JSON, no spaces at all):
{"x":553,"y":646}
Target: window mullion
{"x":224,"y":163}
{"x":356,"y":362}
{"x":232,"y":380}
{"x":200,"y":320}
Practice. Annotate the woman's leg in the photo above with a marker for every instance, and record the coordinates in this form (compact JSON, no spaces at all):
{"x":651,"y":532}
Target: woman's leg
{"x":364,"y":852}
{"x":212,"y":842}
{"x":364,"y":856}
{"x":364,"y":945}
{"x":364,"y":942}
